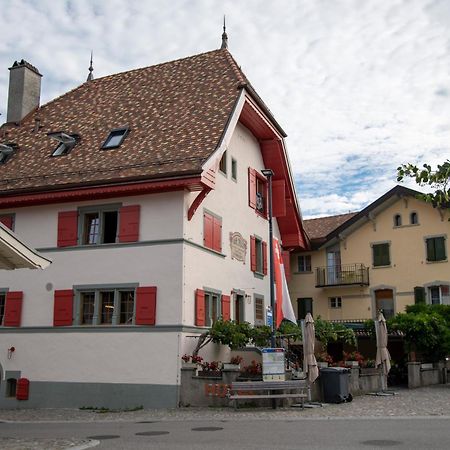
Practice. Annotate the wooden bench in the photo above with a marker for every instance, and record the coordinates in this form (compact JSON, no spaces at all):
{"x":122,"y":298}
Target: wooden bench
{"x":250,"y":390}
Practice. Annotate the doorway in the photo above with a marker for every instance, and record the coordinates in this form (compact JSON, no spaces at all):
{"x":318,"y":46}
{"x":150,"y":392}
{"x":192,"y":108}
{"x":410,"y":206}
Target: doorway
{"x":384,"y":302}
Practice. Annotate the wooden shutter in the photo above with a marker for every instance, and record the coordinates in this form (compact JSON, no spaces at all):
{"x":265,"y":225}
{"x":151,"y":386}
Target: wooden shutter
{"x":7,"y":220}
{"x":146,"y":305}
{"x":217,"y":234}
{"x":440,"y":248}
{"x":264,"y":257}
{"x":67,"y":228}
{"x":278,"y":198}
{"x":253,"y":253}
{"x":63,"y":308}
{"x":226,"y":307}
{"x":208,"y":230}
{"x":129,"y":217}
{"x":419,"y":295}
{"x":200,"y":318}
{"x":13,"y":309}
{"x":286,"y":255}
{"x":252,"y":188}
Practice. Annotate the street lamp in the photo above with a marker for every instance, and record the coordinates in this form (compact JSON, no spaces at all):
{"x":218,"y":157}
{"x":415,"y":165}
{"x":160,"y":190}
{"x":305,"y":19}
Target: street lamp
{"x":268,"y":173}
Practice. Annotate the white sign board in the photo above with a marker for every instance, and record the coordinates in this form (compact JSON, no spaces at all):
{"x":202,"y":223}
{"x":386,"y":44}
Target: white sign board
{"x":273,"y":364}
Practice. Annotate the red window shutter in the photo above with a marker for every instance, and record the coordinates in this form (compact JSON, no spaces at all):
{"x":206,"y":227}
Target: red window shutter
{"x":253,"y":253}
{"x":217,"y":234}
{"x":264,"y":255}
{"x":200,"y":318}
{"x":7,"y":221}
{"x":146,"y":305}
{"x":63,"y":308}
{"x":13,"y":309}
{"x":252,"y":188}
{"x":287,"y":263}
{"x":208,"y":230}
{"x":129,"y":223}
{"x":67,"y":228}
{"x":278,"y":198}
{"x":226,"y":307}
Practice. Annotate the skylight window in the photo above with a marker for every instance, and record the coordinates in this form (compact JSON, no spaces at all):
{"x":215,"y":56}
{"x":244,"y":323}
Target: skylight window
{"x":5,"y":152}
{"x":115,"y":138}
{"x":66,"y":142}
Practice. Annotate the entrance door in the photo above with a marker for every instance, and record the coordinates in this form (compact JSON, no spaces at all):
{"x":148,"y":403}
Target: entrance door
{"x":384,"y":301}
{"x":239,"y":308}
{"x":304,"y":306}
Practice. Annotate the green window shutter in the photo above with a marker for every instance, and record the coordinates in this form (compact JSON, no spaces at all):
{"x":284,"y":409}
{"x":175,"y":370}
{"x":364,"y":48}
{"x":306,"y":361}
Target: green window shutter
{"x":419,"y":295}
{"x":440,"y":248}
{"x":381,"y":255}
{"x":431,"y":254}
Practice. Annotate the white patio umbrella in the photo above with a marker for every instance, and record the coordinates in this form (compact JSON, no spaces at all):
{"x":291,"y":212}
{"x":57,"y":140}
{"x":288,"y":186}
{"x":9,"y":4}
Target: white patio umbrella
{"x":309,"y":338}
{"x":383,"y":358}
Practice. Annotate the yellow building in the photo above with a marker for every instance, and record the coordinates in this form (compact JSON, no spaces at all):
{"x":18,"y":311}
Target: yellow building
{"x":391,"y":254}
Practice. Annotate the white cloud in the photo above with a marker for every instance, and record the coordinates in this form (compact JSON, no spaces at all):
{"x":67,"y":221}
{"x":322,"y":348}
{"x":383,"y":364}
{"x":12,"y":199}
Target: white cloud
{"x":360,"y":87}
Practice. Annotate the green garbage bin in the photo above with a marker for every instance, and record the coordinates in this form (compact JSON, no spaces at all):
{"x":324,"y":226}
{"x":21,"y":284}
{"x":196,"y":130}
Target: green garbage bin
{"x":335,"y":384}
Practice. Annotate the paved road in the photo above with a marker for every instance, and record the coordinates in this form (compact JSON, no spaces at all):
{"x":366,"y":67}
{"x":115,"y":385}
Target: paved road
{"x":417,"y":418}
{"x":343,"y":433}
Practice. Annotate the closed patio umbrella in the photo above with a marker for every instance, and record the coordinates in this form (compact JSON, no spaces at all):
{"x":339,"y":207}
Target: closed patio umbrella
{"x":383,"y":358}
{"x":309,"y":338}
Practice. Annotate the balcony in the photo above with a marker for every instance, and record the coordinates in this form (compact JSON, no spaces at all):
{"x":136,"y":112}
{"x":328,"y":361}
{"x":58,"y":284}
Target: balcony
{"x":342,"y":275}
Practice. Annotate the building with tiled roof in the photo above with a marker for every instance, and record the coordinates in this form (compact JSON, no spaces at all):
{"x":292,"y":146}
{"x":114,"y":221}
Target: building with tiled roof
{"x":391,"y":254}
{"x":145,"y":190}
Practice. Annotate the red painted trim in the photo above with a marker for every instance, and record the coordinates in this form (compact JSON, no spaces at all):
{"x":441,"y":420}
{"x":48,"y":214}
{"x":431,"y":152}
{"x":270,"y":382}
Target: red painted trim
{"x":99,"y":192}
{"x":197,"y":201}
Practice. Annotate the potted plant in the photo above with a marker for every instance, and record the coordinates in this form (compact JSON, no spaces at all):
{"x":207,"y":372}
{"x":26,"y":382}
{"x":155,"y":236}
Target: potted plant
{"x":234,"y":364}
{"x":210,"y":369}
{"x":323,"y":359}
{"x":353,"y":359}
{"x":191,"y":362}
{"x":253,"y":371}
{"x":368,"y":367}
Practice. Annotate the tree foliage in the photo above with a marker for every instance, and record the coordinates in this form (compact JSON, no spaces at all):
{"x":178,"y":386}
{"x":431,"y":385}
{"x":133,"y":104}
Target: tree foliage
{"x":333,"y":332}
{"x":438,"y":180}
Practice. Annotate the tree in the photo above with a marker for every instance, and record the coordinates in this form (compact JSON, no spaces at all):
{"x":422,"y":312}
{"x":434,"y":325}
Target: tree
{"x":438,"y":180}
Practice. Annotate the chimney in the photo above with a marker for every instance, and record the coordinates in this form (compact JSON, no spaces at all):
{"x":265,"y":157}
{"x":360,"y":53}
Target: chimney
{"x":24,"y":90}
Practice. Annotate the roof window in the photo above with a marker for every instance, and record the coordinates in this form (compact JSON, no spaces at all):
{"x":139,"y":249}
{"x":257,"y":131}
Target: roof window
{"x":66,"y":142}
{"x":5,"y":151}
{"x":115,"y":138}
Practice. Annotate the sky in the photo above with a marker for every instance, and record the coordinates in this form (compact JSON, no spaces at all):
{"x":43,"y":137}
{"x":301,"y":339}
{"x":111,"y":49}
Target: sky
{"x":359,"y":86}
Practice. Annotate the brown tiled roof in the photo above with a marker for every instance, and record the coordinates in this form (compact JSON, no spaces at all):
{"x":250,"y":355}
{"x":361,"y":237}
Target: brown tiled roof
{"x":321,"y":227}
{"x":176,"y":112}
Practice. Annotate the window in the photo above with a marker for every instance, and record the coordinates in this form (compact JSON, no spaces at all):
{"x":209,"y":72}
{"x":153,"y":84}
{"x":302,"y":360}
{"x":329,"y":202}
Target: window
{"x":380,"y":253}
{"x":2,"y":306}
{"x":99,"y":226}
{"x":115,"y":306}
{"x":258,"y":255}
{"x":335,"y":302}
{"x":223,"y":163}
{"x":257,"y":191}
{"x":304,"y":263}
{"x":397,"y":220}
{"x":212,"y":307}
{"x":439,"y":295}
{"x":436,"y":249}
{"x":233,"y":169}
{"x":259,"y":310}
{"x":304,"y":306}
{"x":66,"y":142}
{"x":212,"y":231}
{"x":115,"y":138}
{"x":413,"y":218}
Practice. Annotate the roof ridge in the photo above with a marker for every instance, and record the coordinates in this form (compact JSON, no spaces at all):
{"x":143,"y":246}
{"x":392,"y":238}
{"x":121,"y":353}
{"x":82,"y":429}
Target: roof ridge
{"x":335,"y":215}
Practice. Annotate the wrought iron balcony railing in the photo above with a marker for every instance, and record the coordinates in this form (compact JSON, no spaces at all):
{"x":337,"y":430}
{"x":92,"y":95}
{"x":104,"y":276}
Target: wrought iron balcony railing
{"x":342,"y":275}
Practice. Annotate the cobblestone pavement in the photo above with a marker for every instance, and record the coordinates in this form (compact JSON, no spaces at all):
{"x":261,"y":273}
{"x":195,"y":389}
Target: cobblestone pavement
{"x":422,"y":402}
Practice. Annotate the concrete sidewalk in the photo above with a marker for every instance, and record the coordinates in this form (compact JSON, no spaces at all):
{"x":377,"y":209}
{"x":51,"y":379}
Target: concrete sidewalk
{"x":429,"y":401}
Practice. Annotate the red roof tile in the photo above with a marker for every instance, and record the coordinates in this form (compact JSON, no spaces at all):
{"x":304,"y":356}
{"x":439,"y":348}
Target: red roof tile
{"x":321,"y":227}
{"x":176,"y":112}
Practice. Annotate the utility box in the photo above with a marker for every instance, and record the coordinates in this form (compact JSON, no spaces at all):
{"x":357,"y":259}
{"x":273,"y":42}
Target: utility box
{"x":335,"y":384}
{"x":23,"y":389}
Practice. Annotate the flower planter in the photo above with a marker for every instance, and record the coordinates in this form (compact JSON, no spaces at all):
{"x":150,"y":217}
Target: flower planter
{"x":209,"y":374}
{"x":351,"y":363}
{"x":250,"y":376}
{"x":229,"y":366}
{"x":188,"y":365}
{"x":322,"y":364}
{"x":369,"y":371}
{"x":426,"y":366}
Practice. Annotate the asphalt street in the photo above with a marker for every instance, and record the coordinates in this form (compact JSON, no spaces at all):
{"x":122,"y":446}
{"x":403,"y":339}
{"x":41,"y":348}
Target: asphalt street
{"x":324,"y":433}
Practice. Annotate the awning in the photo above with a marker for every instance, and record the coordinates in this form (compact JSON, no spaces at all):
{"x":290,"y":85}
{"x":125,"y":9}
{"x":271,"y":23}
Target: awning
{"x":15,"y":254}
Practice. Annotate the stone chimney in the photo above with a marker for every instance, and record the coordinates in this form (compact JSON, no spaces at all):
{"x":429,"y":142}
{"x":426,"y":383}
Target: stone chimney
{"x":24,"y":90}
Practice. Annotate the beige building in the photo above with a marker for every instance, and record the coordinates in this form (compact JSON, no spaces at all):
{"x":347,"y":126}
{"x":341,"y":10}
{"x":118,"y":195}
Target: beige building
{"x":391,"y":254}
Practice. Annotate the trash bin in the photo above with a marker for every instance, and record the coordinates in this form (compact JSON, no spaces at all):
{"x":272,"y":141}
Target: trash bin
{"x":335,"y":385}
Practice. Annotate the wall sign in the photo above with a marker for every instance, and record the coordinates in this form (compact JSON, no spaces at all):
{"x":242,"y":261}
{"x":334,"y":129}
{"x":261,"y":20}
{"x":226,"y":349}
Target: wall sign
{"x":238,"y":247}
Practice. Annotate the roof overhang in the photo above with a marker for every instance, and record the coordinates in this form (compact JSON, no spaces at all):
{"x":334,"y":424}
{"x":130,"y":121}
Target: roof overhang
{"x":15,"y":254}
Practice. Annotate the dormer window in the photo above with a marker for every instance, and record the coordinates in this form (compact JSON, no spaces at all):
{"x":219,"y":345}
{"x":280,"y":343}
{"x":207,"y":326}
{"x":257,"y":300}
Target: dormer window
{"x":5,"y":152}
{"x":66,"y":142}
{"x":115,"y":138}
